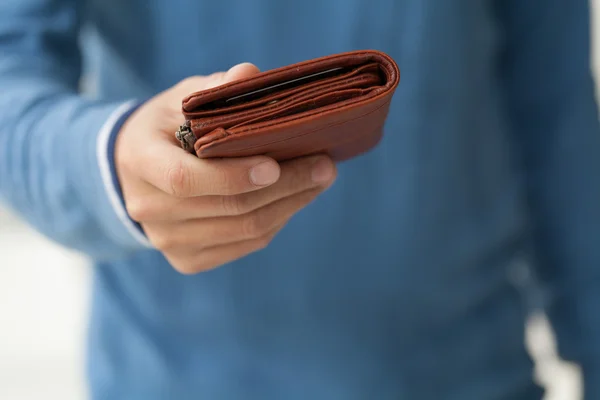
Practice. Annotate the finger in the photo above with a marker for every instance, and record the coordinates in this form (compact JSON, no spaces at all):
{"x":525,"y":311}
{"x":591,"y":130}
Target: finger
{"x":174,"y":96}
{"x":296,"y":176}
{"x":181,"y":174}
{"x":189,"y":236}
{"x":198,"y":83}
{"x":214,"y":257}
{"x":240,"y":71}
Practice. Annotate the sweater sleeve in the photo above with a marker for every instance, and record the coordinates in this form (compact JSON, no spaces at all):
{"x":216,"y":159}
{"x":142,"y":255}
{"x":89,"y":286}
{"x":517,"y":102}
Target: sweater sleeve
{"x":55,"y":145}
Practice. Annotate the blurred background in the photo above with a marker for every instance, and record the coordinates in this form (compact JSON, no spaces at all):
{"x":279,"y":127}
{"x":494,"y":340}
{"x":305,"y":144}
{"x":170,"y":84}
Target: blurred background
{"x":44,"y":292}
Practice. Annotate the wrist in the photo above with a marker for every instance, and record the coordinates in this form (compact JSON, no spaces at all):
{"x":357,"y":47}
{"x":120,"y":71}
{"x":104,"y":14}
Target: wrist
{"x":107,"y":146}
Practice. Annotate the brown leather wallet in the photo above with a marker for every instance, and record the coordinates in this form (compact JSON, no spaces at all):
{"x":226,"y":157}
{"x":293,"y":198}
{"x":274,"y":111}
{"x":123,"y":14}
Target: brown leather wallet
{"x":335,"y":105}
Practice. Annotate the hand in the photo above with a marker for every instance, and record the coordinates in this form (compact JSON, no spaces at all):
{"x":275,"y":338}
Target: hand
{"x":204,"y":213}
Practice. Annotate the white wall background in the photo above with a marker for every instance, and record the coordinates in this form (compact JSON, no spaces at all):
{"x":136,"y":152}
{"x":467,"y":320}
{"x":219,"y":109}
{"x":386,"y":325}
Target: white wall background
{"x":43,"y":303}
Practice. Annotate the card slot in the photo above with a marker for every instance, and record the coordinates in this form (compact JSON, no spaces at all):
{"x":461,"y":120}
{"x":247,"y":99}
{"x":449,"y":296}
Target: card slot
{"x":365,"y":81}
{"x":277,"y":93}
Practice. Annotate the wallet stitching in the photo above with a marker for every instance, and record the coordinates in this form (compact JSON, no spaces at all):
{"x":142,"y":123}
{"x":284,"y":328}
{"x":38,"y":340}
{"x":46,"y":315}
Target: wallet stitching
{"x":303,"y":133}
{"x":272,"y":107}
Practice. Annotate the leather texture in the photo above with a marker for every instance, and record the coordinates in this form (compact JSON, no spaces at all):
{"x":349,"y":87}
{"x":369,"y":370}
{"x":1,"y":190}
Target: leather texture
{"x":335,"y":105}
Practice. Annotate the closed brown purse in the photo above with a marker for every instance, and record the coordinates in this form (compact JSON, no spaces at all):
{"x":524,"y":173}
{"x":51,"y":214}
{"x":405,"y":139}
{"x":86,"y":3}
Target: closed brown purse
{"x":335,"y":105}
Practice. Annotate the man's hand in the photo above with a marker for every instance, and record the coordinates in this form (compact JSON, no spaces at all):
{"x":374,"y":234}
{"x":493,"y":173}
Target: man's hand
{"x":204,"y":213}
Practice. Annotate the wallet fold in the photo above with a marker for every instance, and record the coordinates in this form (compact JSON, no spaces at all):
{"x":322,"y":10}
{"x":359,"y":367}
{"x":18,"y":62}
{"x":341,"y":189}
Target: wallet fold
{"x":335,"y":105}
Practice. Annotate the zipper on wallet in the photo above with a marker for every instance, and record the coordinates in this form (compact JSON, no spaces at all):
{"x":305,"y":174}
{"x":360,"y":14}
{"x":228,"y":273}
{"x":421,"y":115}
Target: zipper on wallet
{"x":185,"y":136}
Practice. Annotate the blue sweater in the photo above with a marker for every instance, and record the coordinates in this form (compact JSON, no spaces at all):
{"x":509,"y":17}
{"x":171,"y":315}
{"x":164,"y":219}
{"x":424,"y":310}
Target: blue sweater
{"x":408,"y":279}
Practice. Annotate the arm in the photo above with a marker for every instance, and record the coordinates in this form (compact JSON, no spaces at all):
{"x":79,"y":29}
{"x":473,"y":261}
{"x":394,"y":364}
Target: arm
{"x":550,"y":97}
{"x":54,"y":144}
{"x":65,"y":159}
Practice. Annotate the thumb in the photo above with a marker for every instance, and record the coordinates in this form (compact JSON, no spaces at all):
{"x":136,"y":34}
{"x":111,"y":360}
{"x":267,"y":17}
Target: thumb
{"x":240,"y":71}
{"x":198,"y":83}
{"x":235,"y":73}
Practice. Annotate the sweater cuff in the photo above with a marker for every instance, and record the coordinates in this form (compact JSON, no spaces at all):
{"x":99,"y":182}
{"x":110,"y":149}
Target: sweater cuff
{"x":105,"y":154}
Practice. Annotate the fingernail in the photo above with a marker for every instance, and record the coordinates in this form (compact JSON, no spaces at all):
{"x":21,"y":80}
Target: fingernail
{"x":264,"y":174}
{"x":322,"y":171}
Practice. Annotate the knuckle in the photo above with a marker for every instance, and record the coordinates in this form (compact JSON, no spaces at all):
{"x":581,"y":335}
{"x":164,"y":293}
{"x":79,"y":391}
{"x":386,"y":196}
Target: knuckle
{"x":162,"y":241}
{"x":138,"y":209}
{"x":230,"y":205}
{"x":234,"y":205}
{"x":190,"y":264}
{"x":194,"y":265}
{"x":187,"y":268}
{"x":179,"y":181}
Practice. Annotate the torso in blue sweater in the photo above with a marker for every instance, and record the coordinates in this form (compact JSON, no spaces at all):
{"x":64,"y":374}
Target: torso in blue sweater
{"x":397,"y":283}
